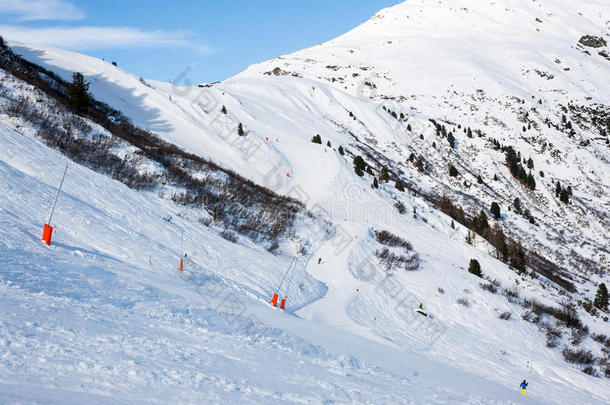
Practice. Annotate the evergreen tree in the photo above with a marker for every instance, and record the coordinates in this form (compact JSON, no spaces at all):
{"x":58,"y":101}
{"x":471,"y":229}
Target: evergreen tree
{"x":452,"y":224}
{"x":240,"y":130}
{"x":399,"y":185}
{"x":475,"y":268}
{"x":531,"y":183}
{"x":495,"y":210}
{"x":317,"y":139}
{"x":557,"y":189}
{"x":359,"y":165}
{"x":479,"y":179}
{"x":569,"y":190}
{"x":517,"y":257}
{"x":483,"y":223}
{"x":601,"y":298}
{"x":453,"y":171}
{"x":517,"y":205}
{"x":469,"y":133}
{"x":408,"y":127}
{"x":223,"y":110}
{"x":564,"y":197}
{"x":375,"y":182}
{"x":328,"y":144}
{"x":385,"y":175}
{"x":79,"y":97}
{"x":495,"y":177}
{"x":451,"y":140}
{"x":530,"y":163}
{"x":341,"y":151}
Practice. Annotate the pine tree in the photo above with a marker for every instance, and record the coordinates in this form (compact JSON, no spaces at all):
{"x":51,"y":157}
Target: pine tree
{"x":475,"y":268}
{"x":409,"y":127}
{"x":479,"y":179}
{"x":495,"y":210}
{"x":79,"y":97}
{"x":483,"y":223}
{"x":569,"y":190}
{"x":375,"y":183}
{"x":359,"y":165}
{"x":517,"y":205}
{"x":240,"y":130}
{"x":328,"y":144}
{"x":530,"y":163}
{"x":469,"y":133}
{"x":399,"y":185}
{"x":453,"y":171}
{"x":385,"y":175}
{"x":495,"y":177}
{"x":341,"y":151}
{"x":223,"y":110}
{"x":317,"y":139}
{"x":564,"y":197}
{"x":557,"y":189}
{"x":601,"y":298}
{"x":452,"y":224}
{"x":451,"y":140}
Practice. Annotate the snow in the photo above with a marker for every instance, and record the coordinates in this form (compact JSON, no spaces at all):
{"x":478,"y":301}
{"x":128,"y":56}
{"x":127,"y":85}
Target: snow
{"x":103,"y":315}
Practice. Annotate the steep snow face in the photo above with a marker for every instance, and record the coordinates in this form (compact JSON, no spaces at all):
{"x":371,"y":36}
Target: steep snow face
{"x":362,"y":316}
{"x":421,"y":47}
{"x":529,"y":74}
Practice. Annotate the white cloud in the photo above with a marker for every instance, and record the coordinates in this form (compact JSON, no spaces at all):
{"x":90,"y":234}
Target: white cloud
{"x":30,"y":10}
{"x":90,"y":38}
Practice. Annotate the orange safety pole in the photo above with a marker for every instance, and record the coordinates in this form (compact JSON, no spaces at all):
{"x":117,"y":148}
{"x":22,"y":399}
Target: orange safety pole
{"x":283,"y":303}
{"x":181,"y":264}
{"x":47,"y":230}
{"x":274,"y":300}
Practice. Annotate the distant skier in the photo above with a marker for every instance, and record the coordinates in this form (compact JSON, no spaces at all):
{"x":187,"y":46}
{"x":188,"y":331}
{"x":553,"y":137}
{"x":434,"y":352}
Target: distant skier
{"x":319,"y":260}
{"x":523,"y":387}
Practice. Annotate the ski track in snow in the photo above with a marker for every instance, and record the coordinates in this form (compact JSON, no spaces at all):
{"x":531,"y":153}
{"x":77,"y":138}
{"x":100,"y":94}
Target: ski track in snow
{"x":103,"y":315}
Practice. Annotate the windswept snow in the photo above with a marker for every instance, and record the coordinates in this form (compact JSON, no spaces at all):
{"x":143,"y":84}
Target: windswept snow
{"x":104,"y":316}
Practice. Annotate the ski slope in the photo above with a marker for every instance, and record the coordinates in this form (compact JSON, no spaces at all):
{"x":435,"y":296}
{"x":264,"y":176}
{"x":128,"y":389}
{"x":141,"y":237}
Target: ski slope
{"x":103,"y":315}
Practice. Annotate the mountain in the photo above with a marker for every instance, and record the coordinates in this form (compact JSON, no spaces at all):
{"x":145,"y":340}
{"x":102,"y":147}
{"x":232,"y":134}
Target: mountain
{"x":381,"y":305}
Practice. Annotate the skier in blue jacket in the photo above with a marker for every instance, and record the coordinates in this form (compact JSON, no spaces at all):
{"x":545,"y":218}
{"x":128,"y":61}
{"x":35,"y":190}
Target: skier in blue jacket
{"x":523,"y":387}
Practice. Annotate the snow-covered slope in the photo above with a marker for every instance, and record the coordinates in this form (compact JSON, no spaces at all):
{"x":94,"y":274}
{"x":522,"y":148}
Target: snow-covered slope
{"x":106,"y":301}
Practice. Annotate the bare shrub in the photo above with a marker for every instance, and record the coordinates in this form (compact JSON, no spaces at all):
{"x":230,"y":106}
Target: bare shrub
{"x":274,"y":246}
{"x":505,"y":315}
{"x":229,"y":235}
{"x":553,"y":335}
{"x":578,"y":356}
{"x":511,"y":294}
{"x":389,"y":239}
{"x":390,"y":260}
{"x":463,"y":301}
{"x":489,"y":287}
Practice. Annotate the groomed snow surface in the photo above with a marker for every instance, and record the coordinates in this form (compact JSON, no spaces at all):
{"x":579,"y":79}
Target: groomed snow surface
{"x":104,"y":316}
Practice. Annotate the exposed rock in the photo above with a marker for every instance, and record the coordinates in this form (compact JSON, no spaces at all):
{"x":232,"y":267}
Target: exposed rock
{"x":592,"y":41}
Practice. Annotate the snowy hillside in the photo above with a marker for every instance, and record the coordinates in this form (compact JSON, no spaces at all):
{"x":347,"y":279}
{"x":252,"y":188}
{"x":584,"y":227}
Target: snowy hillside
{"x":103,"y":314}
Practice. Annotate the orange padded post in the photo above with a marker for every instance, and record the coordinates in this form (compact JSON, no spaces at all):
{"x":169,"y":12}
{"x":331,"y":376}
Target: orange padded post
{"x":47,"y":230}
{"x":274,"y":300}
{"x":283,"y":303}
{"x":181,"y":264}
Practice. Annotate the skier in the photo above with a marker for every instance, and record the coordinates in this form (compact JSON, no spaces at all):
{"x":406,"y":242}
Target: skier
{"x":319,"y":260}
{"x":523,"y":387}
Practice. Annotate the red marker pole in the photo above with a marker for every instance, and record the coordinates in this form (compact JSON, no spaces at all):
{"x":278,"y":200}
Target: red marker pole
{"x":48,"y":229}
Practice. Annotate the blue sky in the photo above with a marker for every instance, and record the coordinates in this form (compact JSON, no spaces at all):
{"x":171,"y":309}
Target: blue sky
{"x":158,"y":39}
